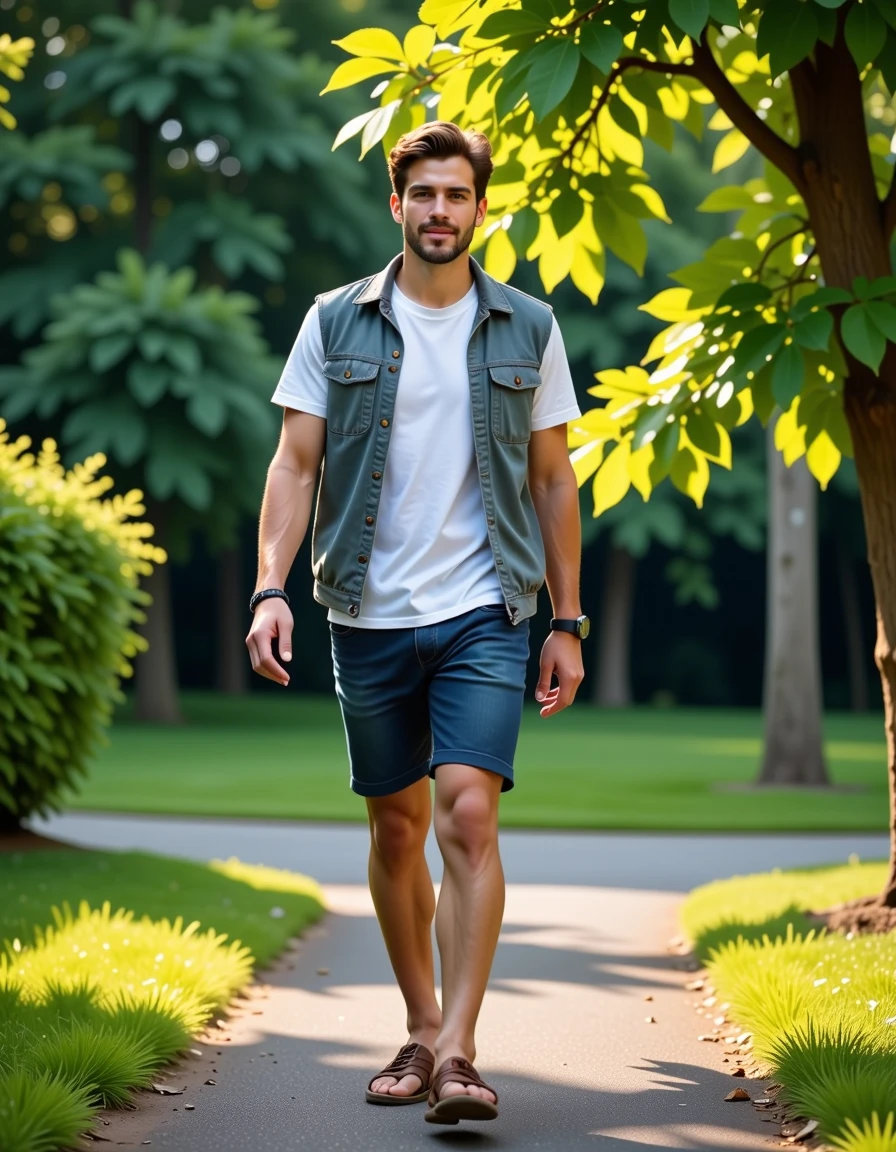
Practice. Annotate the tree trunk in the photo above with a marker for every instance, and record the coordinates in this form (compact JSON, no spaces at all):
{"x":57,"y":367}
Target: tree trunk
{"x":233,"y":659}
{"x":792,"y":684}
{"x":852,"y":627}
{"x":156,"y":670}
{"x":613,"y":684}
{"x":873,"y":426}
{"x":852,"y":234}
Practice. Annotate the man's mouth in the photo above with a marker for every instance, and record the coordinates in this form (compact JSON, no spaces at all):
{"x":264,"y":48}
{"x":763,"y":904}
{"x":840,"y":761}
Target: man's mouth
{"x":439,"y":231}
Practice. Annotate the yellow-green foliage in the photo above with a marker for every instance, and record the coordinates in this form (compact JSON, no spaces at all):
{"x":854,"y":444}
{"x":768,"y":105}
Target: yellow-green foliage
{"x":92,"y":1006}
{"x":70,"y":560}
{"x":14,"y":55}
{"x":821,"y":1006}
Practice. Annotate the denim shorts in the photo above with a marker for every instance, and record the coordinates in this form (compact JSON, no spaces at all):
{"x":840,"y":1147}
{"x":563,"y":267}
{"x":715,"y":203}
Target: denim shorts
{"x":415,"y":698}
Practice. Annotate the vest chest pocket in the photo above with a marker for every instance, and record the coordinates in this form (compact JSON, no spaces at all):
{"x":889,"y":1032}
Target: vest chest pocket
{"x":351,"y":386}
{"x":513,"y":392}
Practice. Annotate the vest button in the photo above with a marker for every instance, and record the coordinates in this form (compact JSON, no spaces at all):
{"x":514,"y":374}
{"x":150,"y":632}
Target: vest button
{"x":517,"y":381}
{"x":368,"y":519}
{"x":376,"y":475}
{"x":362,"y":559}
{"x":395,"y":354}
{"x":353,"y":609}
{"x":392,"y":368}
{"x":384,"y":423}
{"x":347,"y":375}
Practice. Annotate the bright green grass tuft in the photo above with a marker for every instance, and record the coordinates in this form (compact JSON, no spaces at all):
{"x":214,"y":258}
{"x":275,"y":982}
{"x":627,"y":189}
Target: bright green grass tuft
{"x":92,"y":1005}
{"x":821,"y":1007}
{"x":284,"y":756}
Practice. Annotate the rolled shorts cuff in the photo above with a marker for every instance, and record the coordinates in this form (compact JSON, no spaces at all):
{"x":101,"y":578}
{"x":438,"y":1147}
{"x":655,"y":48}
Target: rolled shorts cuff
{"x":388,"y":787}
{"x":475,"y":760}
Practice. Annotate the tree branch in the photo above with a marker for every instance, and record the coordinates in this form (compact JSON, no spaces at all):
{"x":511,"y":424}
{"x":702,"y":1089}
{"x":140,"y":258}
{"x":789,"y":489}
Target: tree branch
{"x":768,"y":142}
{"x":622,"y":65}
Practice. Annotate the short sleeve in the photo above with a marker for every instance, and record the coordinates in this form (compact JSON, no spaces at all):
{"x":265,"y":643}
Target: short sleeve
{"x":302,"y":384}
{"x":555,"y":401}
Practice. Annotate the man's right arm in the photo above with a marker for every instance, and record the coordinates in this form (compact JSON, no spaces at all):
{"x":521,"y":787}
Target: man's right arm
{"x":285,"y":513}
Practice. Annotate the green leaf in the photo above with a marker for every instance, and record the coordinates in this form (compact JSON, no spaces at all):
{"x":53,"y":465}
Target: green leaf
{"x":865,"y":33}
{"x":788,"y":30}
{"x":551,"y":75}
{"x":207,"y":412}
{"x":523,"y":230}
{"x":152,"y":343}
{"x":744,"y":296}
{"x":788,"y":374}
{"x":825,"y":297}
{"x":690,"y":15}
{"x":601,"y":44}
{"x":147,"y":383}
{"x":814,"y":331}
{"x":183,"y":353}
{"x":866,"y":289}
{"x":623,"y":235}
{"x":884,"y":317}
{"x":761,"y":392}
{"x":757,"y":345}
{"x":376,"y":127}
{"x":862,"y":337}
{"x":566,"y":211}
{"x":513,"y":23}
{"x":107,"y":352}
{"x":731,"y":198}
{"x":725,"y":12}
{"x":886,"y":9}
{"x":704,"y":433}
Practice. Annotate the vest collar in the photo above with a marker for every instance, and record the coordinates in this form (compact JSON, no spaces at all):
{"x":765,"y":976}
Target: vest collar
{"x":379,"y":287}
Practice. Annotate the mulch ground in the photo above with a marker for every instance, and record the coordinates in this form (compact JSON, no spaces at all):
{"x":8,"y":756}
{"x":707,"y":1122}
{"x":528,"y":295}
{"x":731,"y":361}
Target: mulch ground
{"x":858,"y":916}
{"x":21,"y":840}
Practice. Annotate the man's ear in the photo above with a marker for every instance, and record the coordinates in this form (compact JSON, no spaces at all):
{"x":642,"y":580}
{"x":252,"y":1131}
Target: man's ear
{"x":395,"y":205}
{"x":481,"y":210}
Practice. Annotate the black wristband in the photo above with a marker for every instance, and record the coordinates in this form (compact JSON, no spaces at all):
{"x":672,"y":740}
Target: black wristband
{"x":267,"y":594}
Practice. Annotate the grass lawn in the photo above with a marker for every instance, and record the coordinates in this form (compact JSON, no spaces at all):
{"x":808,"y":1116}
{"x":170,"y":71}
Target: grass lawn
{"x":821,"y":1008}
{"x":110,"y":963}
{"x":640,"y":769}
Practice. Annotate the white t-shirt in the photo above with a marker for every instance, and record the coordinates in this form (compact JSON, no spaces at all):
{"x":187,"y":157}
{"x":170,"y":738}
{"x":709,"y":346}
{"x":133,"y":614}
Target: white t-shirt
{"x":431,"y":559}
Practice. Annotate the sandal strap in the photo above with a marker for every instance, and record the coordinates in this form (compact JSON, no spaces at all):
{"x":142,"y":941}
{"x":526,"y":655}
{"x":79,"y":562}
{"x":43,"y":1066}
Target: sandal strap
{"x":457,"y":1070}
{"x":412,"y":1060}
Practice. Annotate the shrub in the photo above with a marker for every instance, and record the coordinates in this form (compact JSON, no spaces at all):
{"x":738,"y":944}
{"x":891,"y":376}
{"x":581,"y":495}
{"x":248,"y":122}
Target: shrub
{"x":70,"y":561}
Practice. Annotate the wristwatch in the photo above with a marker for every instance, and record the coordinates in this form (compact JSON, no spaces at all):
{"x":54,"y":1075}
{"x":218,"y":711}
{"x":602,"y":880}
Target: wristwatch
{"x":580,"y":626}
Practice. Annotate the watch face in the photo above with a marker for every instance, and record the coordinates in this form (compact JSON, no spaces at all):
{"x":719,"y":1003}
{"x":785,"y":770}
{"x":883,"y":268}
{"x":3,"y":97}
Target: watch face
{"x":584,"y":627}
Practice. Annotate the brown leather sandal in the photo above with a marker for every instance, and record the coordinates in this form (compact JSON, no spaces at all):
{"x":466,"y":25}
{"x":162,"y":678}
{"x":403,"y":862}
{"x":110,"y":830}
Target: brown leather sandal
{"x":456,"y":1070}
{"x":412,"y":1060}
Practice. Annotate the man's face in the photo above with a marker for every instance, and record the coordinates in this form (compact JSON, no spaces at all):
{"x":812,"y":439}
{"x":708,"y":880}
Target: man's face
{"x":438,"y":212}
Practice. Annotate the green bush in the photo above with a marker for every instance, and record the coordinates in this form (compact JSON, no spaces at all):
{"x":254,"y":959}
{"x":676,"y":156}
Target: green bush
{"x":70,"y":561}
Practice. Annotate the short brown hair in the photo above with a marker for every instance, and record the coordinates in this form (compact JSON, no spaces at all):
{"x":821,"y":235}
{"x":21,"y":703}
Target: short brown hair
{"x":441,"y":139}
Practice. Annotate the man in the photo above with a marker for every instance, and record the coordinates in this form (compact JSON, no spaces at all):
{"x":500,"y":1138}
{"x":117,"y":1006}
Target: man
{"x":437,"y":400}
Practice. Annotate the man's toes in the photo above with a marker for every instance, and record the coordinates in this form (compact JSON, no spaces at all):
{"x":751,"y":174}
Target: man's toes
{"x":384,"y":1084}
{"x":407,"y":1086}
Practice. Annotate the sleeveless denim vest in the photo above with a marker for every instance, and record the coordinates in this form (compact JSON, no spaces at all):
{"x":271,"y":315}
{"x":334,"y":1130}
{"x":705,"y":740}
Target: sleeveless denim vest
{"x":364,"y":351}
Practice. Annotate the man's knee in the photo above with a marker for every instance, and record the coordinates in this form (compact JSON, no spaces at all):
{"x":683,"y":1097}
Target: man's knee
{"x":397,"y":835}
{"x":467,"y":823}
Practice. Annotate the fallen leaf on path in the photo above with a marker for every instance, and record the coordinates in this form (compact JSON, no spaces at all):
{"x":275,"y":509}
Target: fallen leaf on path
{"x":806,"y":1131}
{"x":189,"y":1107}
{"x":323,"y":971}
{"x":696,"y":985}
{"x":164,"y":1090}
{"x":710,"y":1039}
{"x":650,"y":1019}
{"x":211,"y":1082}
{"x":738,"y":1094}
{"x":738,"y":1072}
{"x":648,"y":997}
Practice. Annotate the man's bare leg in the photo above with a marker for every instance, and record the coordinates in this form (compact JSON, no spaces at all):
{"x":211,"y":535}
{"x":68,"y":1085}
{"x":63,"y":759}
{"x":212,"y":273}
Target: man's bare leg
{"x":471,"y":905}
{"x":403,"y":897}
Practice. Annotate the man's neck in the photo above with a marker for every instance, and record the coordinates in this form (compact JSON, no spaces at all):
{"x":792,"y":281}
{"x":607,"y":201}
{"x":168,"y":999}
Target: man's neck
{"x":434,"y":285}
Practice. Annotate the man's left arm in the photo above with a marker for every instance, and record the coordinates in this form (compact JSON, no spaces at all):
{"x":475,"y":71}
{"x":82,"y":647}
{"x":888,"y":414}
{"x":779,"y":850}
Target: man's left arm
{"x":555,"y":495}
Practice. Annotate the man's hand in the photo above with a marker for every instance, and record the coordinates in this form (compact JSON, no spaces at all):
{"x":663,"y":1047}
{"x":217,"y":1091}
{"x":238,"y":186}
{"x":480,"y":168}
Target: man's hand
{"x":272,"y":618}
{"x":561,"y":656}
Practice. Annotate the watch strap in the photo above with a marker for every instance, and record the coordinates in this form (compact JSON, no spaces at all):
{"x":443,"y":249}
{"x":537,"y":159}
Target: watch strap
{"x":560,"y":625}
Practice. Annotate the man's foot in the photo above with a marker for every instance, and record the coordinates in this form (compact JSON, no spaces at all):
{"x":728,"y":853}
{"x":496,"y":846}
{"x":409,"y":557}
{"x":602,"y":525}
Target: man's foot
{"x":459,"y":1093}
{"x":407,"y":1079}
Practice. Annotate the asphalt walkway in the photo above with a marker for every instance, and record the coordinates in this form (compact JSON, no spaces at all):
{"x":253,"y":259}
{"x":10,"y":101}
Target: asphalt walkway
{"x":564,"y":1035}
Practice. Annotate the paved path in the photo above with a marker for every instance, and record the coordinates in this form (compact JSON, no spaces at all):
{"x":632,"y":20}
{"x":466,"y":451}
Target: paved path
{"x":563,"y":1034}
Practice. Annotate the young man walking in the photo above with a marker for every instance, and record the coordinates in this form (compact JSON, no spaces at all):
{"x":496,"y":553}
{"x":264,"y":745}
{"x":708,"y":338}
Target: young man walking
{"x":436,"y":400}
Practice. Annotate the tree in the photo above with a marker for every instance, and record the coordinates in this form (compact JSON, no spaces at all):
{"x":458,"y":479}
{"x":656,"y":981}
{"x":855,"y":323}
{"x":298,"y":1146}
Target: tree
{"x":794,"y":312}
{"x":197,"y":148}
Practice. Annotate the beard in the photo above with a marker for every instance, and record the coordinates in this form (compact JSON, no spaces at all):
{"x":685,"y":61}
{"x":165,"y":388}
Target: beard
{"x":447,"y":250}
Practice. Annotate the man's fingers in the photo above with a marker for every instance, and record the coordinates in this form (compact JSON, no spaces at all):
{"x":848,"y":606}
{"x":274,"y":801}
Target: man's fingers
{"x":284,"y":636}
{"x":263,"y":661}
{"x":543,"y":687}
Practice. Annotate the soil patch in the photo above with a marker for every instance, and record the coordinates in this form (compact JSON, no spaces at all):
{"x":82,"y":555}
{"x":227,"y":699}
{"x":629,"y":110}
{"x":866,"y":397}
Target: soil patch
{"x":858,"y":916}
{"x":23,"y":840}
